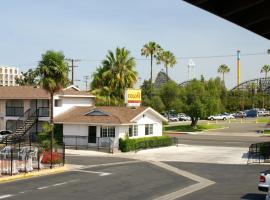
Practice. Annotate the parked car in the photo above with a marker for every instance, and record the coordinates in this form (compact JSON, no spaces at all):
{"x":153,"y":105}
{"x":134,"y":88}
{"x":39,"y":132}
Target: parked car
{"x":264,"y":181}
{"x":252,"y":113}
{"x":218,"y":117}
{"x":240,"y":114}
{"x":230,"y":116}
{"x":3,"y":134}
{"x":6,"y":132}
{"x":173,"y":118}
{"x":263,"y":112}
{"x":183,"y":117}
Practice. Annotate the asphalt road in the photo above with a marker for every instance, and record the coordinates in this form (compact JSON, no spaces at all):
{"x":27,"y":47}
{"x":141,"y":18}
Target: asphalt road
{"x":235,"y":135}
{"x":127,"y":181}
{"x":233,"y":182}
{"x":216,"y":140}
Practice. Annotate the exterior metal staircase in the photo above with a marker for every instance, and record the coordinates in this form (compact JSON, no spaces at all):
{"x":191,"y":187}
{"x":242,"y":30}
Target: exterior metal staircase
{"x":21,"y":127}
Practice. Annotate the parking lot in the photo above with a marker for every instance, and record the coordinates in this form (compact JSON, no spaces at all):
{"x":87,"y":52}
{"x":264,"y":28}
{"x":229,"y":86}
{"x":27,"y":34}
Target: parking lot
{"x":134,"y":180}
{"x":104,"y":178}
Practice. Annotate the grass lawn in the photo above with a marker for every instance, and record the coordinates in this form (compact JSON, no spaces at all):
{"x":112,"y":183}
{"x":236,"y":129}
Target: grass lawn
{"x":266,"y":132}
{"x":263,"y":119}
{"x":188,"y":128}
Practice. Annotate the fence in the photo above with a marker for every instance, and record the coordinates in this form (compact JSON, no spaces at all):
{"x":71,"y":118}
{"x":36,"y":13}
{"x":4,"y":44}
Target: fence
{"x":81,"y":142}
{"x":259,"y":152}
{"x":23,"y":159}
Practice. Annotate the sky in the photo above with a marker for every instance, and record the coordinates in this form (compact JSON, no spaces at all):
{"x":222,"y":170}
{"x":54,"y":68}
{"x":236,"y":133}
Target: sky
{"x":87,"y":29}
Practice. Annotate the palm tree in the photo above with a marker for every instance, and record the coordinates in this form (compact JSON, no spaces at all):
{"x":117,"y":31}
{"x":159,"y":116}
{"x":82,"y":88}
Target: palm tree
{"x":265,"y":69}
{"x":168,"y":59}
{"x":53,"y":74}
{"x":151,"y":49}
{"x":223,"y":69}
{"x":115,"y":75}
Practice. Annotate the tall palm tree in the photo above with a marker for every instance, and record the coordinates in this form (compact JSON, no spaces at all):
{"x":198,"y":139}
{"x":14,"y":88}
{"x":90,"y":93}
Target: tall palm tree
{"x":265,"y":69}
{"x":116,"y":73}
{"x":151,"y":49}
{"x":53,"y":74}
{"x":168,"y":59}
{"x":223,"y":69}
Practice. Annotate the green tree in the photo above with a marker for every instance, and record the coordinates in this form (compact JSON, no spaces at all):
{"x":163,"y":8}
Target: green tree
{"x":29,"y":78}
{"x":168,"y":59}
{"x":265,"y":69}
{"x":169,"y":94}
{"x":223,"y":69}
{"x":53,"y":73}
{"x":115,"y":75}
{"x":200,"y":99}
{"x":151,"y":49}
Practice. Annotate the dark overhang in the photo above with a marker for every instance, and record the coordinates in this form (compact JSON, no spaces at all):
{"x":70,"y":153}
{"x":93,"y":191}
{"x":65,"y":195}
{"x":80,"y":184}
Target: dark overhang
{"x":253,"y":15}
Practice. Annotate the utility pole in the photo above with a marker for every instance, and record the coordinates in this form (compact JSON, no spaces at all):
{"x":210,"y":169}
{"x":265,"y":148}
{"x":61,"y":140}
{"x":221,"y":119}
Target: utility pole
{"x":85,"y":79}
{"x":72,"y":68}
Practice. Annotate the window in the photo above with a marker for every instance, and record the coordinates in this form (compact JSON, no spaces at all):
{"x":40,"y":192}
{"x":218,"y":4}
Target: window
{"x":148,"y":129}
{"x":107,"y":131}
{"x":133,"y":130}
{"x":57,"y":102}
{"x":111,"y":131}
{"x":14,"y":108}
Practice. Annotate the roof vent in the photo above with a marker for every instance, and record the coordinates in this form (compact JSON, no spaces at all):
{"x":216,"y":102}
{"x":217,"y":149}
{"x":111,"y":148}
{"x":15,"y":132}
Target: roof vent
{"x":96,"y":113}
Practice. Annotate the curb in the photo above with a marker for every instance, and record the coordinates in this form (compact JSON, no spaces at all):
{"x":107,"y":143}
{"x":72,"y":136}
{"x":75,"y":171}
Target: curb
{"x":43,"y":172}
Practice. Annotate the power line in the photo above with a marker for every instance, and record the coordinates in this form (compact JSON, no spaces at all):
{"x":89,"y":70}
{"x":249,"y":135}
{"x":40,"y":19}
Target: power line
{"x":72,"y":68}
{"x":86,"y":79}
{"x":147,"y":59}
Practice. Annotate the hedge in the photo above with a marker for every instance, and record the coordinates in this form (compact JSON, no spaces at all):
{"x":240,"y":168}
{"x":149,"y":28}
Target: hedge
{"x":128,"y":144}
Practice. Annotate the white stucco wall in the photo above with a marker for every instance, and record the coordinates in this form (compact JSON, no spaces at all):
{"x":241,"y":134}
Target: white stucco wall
{"x":121,"y":131}
{"x":69,"y":102}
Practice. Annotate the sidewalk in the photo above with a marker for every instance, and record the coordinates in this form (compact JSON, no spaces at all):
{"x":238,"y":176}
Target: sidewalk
{"x":182,"y":153}
{"x":190,"y":153}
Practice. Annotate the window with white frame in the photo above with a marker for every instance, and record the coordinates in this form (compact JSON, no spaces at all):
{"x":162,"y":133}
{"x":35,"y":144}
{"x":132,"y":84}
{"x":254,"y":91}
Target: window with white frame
{"x":133,"y":130}
{"x":148,"y":129}
{"x":107,"y":131}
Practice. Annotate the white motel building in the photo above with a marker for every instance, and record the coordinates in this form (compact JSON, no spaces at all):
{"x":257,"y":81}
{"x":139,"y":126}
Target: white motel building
{"x":82,"y":122}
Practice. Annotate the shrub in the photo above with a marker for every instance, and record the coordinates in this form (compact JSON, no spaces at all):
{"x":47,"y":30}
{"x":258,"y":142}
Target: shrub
{"x":126,"y":145}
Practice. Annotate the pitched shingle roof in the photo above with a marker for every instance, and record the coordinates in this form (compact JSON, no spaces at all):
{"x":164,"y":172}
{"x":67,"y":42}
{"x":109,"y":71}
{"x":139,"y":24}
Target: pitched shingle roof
{"x":71,"y":91}
{"x":31,"y":92}
{"x":23,"y":92}
{"x":115,"y":115}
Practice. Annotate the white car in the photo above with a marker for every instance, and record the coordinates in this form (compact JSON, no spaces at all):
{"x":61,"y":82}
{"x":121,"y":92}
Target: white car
{"x":183,"y":117}
{"x":230,"y":116}
{"x":218,"y":117}
{"x":173,"y":118}
{"x":264,"y":181}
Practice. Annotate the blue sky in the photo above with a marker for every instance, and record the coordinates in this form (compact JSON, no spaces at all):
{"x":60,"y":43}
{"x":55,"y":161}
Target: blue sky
{"x":87,"y":29}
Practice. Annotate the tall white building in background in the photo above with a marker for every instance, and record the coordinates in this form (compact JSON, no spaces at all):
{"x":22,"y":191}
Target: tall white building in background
{"x":8,"y":75}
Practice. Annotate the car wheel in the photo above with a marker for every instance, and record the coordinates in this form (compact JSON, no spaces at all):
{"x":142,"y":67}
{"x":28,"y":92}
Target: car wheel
{"x":211,"y":118}
{"x":224,"y":118}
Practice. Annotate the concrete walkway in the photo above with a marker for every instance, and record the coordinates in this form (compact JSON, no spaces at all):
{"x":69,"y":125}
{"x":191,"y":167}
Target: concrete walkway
{"x":190,"y":153}
{"x":182,"y":153}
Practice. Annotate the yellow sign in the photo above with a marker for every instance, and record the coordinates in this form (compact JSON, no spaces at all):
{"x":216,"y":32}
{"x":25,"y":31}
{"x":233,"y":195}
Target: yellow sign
{"x":133,"y":96}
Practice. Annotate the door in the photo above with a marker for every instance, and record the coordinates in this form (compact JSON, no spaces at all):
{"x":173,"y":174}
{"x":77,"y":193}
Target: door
{"x":92,"y":134}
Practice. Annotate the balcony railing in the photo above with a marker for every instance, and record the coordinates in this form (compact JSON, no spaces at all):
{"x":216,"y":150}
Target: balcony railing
{"x":43,"y":111}
{"x":14,"y":111}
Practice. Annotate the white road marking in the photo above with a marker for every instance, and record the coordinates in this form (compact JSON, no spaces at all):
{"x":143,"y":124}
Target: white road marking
{"x":57,"y":184}
{"x":6,"y":196}
{"x":201,"y":182}
{"x":93,"y":172}
{"x":110,"y":164}
{"x":42,"y":188}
